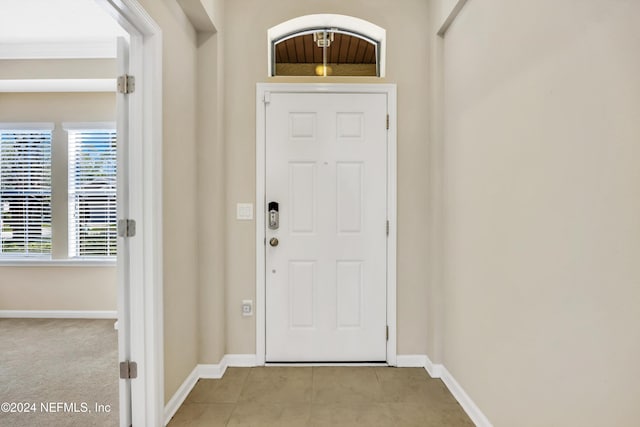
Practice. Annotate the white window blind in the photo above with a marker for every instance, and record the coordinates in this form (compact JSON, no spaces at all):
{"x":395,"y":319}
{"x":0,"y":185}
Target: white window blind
{"x":92,"y":193}
{"x":25,"y":192}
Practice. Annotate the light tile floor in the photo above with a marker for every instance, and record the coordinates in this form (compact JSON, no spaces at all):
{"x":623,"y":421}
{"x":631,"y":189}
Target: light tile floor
{"x":321,"y":396}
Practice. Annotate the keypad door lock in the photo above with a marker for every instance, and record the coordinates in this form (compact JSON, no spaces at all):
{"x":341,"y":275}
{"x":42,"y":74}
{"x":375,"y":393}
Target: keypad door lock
{"x":274,"y":216}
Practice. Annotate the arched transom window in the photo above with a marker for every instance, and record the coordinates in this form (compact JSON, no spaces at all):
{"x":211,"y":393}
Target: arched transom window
{"x":326,"y":45}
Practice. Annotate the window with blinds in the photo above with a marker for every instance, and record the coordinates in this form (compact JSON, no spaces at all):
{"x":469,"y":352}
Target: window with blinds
{"x":25,"y":192}
{"x":92,"y":193}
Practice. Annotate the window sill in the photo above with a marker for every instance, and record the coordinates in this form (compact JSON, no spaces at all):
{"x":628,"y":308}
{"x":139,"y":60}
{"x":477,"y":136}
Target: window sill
{"x":57,"y":263}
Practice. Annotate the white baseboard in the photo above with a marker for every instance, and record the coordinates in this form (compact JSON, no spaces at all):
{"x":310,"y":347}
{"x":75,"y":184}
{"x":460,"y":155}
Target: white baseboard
{"x":411,"y":360}
{"x":472,"y":410}
{"x":433,"y":369}
{"x":233,"y":360}
{"x":59,"y":314}
{"x":208,"y":371}
{"x":241,"y":360}
{"x":212,"y":371}
{"x":436,"y":370}
{"x":180,"y":395}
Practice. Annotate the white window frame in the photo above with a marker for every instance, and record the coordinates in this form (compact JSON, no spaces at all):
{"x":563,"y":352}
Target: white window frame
{"x":70,"y":128}
{"x":17,"y":258}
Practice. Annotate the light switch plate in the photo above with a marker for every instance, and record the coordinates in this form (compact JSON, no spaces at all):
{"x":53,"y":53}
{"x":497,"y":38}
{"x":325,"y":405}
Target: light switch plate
{"x":244,"y":211}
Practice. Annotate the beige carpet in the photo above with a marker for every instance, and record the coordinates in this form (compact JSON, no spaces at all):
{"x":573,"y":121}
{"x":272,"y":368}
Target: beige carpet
{"x":60,"y":365}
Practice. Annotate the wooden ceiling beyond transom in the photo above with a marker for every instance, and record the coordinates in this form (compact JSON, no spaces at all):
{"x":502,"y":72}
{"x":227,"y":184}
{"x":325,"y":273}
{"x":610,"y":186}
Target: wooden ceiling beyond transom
{"x":344,"y":49}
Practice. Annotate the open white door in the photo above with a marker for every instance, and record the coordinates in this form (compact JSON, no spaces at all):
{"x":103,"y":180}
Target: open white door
{"x":139,"y":123}
{"x":124,"y":318}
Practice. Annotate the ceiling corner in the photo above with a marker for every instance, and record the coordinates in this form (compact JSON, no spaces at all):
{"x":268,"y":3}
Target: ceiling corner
{"x":198,"y":15}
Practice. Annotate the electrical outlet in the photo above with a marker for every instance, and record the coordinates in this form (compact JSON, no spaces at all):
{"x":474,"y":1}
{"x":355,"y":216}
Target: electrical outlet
{"x":247,"y":307}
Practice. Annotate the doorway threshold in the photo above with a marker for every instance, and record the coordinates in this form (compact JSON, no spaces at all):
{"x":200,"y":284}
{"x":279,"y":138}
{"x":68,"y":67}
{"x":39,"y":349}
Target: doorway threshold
{"x":381,"y":364}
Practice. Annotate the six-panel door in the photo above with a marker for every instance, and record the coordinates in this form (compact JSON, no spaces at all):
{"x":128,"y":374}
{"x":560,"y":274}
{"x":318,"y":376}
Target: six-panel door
{"x":326,"y":166}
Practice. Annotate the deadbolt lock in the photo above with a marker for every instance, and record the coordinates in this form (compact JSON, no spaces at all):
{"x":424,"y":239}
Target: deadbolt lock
{"x":273,"y":242}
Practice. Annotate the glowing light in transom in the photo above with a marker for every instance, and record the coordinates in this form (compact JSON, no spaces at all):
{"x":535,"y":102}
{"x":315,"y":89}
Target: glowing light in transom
{"x":323,"y":70}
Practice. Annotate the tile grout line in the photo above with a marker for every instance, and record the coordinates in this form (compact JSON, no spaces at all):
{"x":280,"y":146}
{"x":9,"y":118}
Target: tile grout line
{"x":313,"y":381}
{"x":244,"y":384}
{"x":236,"y":403}
{"x":375,"y":370}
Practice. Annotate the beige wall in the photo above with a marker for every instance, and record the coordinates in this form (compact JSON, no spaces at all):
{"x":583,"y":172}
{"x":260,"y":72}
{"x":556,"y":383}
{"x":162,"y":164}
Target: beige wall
{"x":211,"y":197}
{"x":246,"y":24}
{"x":58,"y":69}
{"x":542,"y":214}
{"x":439,"y":11}
{"x":57,"y":288}
{"x":180,"y":233}
{"x":215,"y":9}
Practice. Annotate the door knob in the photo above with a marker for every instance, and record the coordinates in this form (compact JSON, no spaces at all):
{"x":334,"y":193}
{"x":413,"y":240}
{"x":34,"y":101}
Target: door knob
{"x":273,"y":242}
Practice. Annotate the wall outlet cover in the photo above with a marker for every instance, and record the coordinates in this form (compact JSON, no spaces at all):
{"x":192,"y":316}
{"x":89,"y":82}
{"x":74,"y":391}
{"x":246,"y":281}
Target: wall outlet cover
{"x":247,"y":307}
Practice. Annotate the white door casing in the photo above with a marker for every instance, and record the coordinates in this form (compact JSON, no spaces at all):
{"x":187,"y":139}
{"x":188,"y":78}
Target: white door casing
{"x":124,"y":319}
{"x":328,"y":287}
{"x":140,"y":183}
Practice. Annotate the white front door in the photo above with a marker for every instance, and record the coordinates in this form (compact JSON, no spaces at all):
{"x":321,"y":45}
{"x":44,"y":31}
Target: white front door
{"x":326,"y":270}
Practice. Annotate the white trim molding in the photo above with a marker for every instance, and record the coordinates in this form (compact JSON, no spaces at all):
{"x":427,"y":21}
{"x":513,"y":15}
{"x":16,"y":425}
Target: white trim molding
{"x":390,"y":91}
{"x":433,"y":369}
{"x":469,"y":406}
{"x":71,"y":126}
{"x":209,"y":371}
{"x":240,"y":360}
{"x":58,"y":85}
{"x":141,"y":311}
{"x":229,"y":360}
{"x":436,"y":370}
{"x":58,"y":314}
{"x":181,"y":394}
{"x":68,"y":262}
{"x":26,"y":125}
{"x":412,"y":361}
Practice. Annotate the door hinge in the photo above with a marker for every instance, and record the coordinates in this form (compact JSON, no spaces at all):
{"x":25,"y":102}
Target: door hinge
{"x":267,"y":97}
{"x":128,"y":370}
{"x":387,"y":227}
{"x":126,"y":228}
{"x":387,"y":332}
{"x":126,"y":84}
{"x":387,"y":122}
